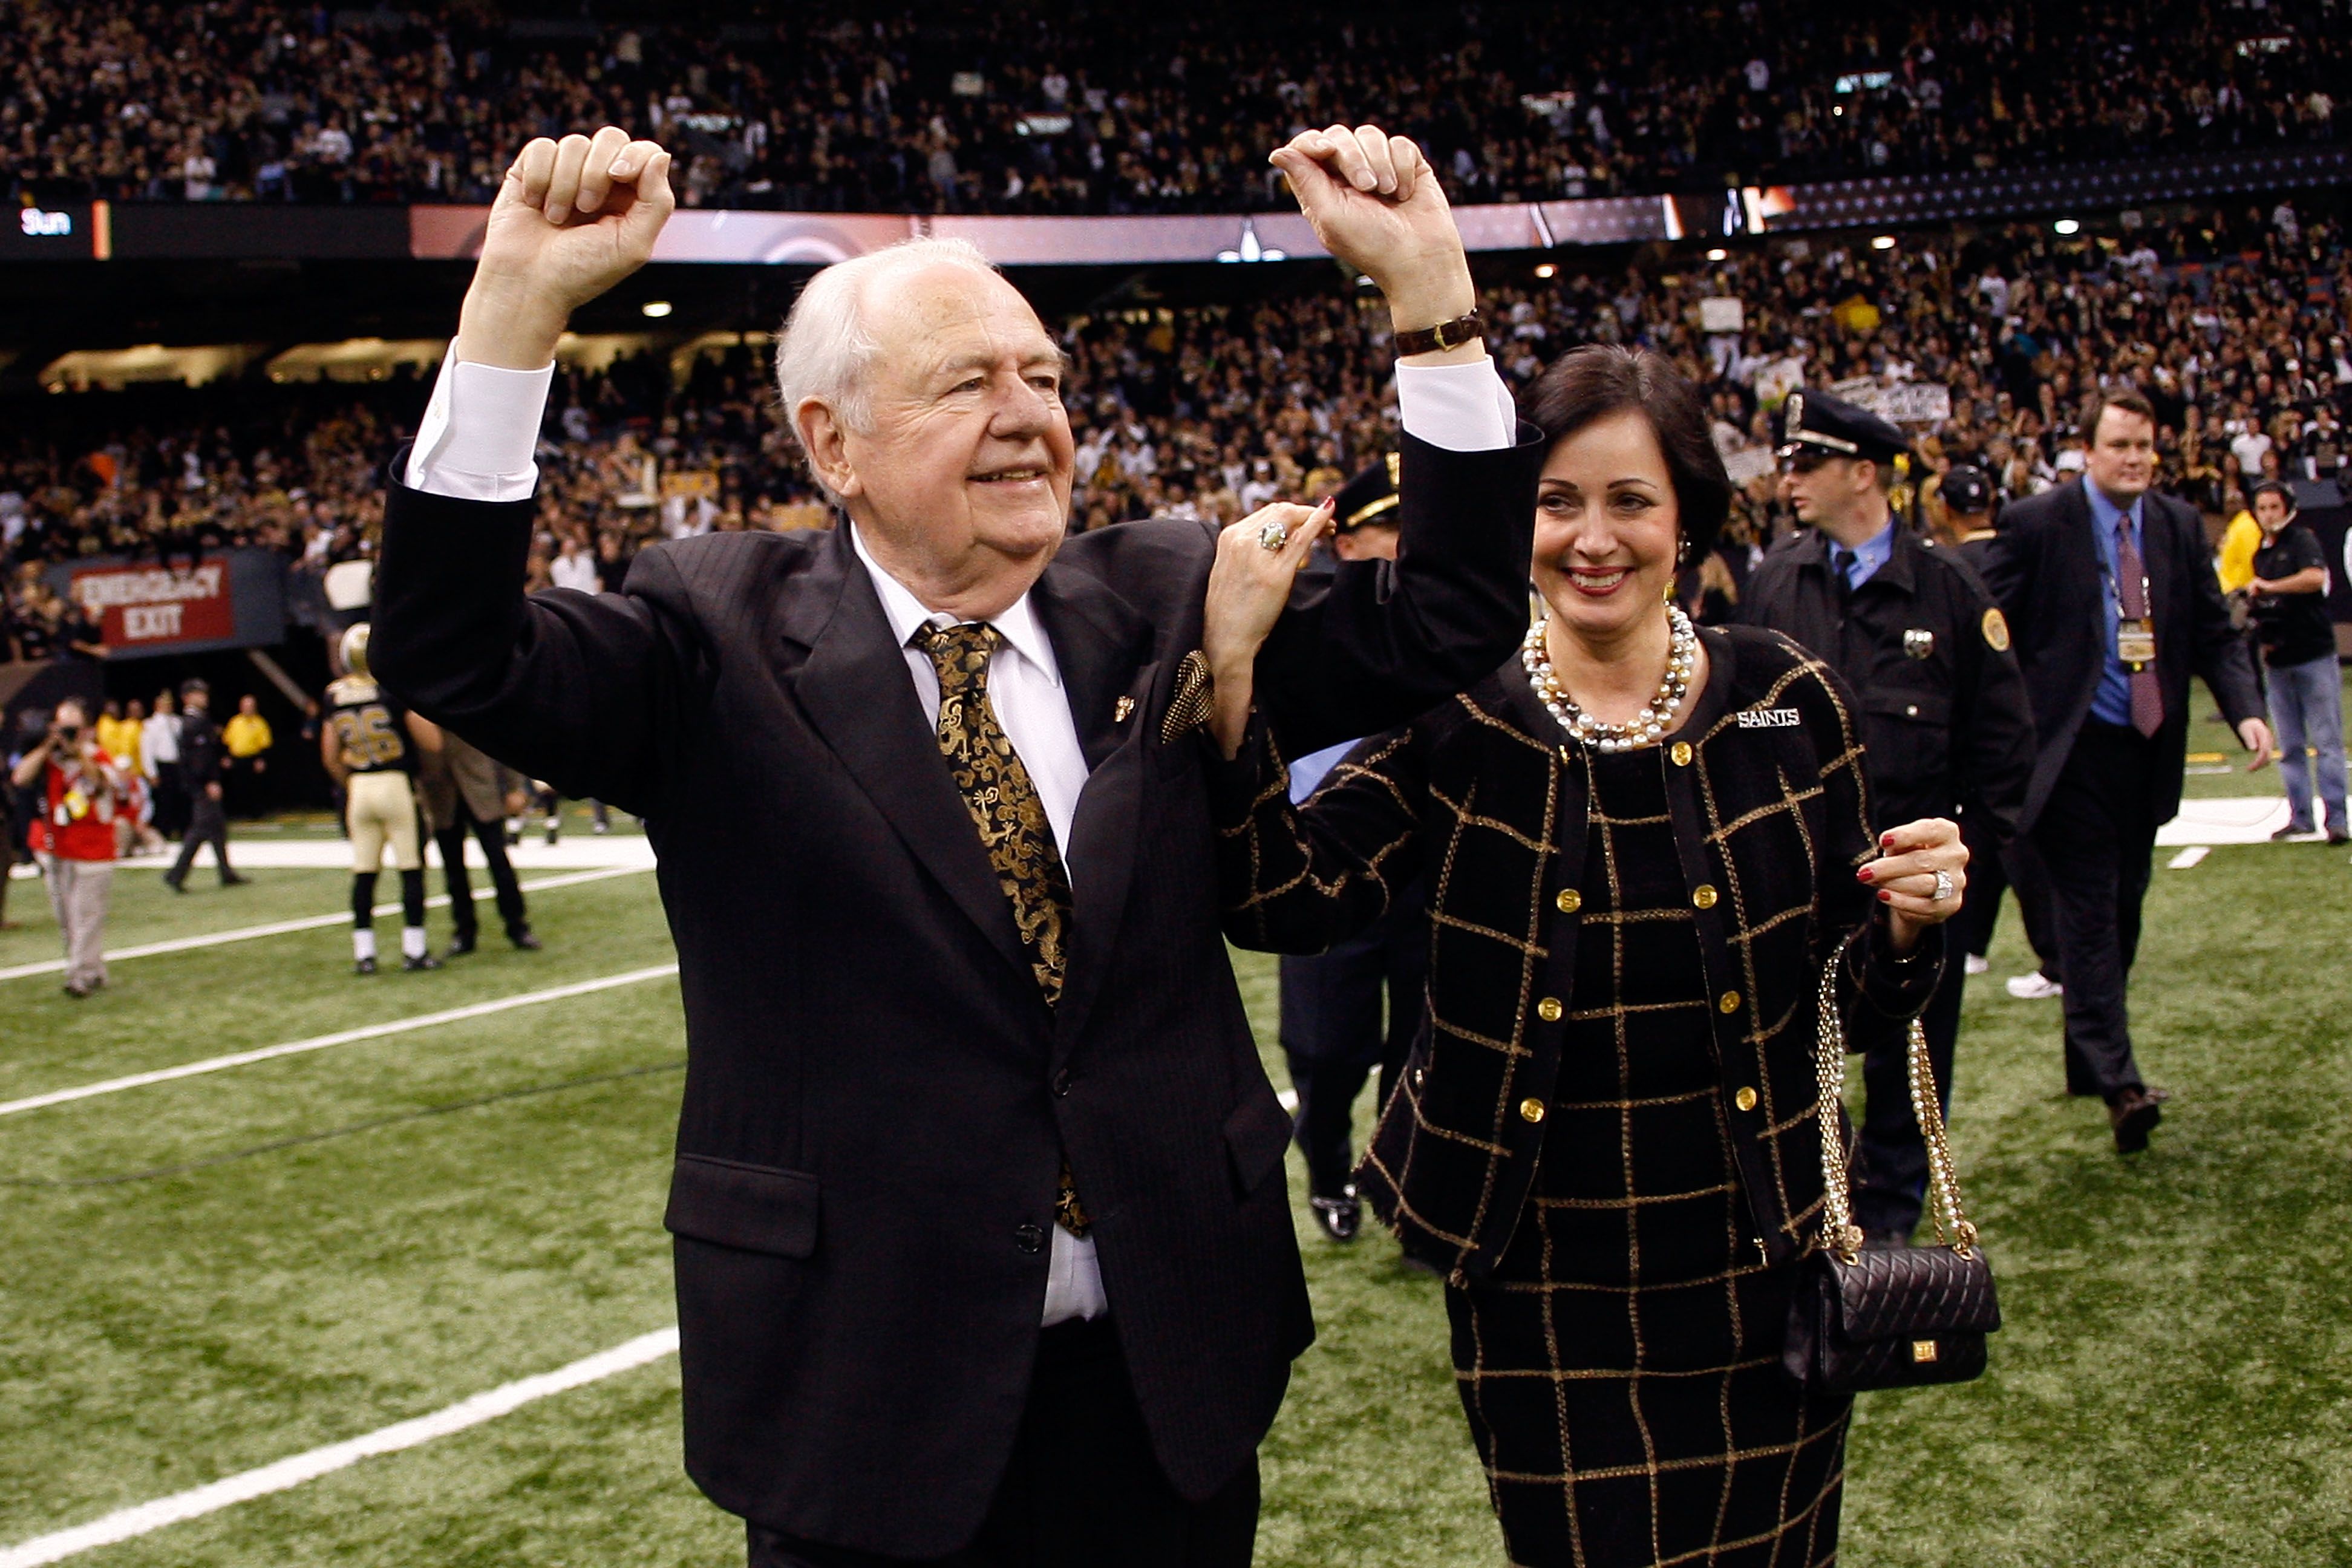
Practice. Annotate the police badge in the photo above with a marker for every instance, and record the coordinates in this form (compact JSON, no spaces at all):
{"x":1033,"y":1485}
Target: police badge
{"x":1919,"y":643}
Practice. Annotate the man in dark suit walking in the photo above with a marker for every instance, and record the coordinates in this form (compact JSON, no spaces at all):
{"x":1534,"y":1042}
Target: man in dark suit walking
{"x":2110,"y":593}
{"x":983,"y":1255}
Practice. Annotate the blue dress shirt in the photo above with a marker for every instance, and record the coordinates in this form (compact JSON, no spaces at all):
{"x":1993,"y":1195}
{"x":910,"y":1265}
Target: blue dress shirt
{"x":1868,"y":556}
{"x":2112,"y":703}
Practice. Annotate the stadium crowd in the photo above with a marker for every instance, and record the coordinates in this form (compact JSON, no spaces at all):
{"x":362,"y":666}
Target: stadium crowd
{"x":2231,"y":324}
{"x":1099,"y":109}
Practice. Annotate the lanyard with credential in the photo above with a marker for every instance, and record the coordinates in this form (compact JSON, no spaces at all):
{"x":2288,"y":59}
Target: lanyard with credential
{"x":2135,"y":634}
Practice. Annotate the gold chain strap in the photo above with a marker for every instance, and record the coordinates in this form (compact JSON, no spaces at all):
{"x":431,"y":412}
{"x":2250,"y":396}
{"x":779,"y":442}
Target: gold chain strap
{"x":1840,"y":1235}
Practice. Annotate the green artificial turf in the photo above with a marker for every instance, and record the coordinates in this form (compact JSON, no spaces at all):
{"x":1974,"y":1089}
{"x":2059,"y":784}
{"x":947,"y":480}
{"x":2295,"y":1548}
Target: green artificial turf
{"x":2169,"y":1388}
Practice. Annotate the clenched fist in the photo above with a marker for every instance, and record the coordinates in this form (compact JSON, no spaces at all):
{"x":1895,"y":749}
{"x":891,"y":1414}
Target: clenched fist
{"x":572,"y":218}
{"x":1376,"y":205}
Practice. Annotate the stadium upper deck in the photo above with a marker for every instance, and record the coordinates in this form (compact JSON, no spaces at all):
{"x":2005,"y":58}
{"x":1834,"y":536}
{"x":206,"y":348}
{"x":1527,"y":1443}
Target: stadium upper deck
{"x":1094,"y":109}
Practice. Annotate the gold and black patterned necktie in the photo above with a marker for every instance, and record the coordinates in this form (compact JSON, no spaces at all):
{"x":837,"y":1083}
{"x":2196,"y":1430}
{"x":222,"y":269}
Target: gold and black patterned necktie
{"x":1004,"y":806}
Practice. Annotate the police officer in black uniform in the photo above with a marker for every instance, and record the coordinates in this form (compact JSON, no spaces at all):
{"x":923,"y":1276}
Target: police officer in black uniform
{"x":1944,"y":714}
{"x":1356,"y":1007}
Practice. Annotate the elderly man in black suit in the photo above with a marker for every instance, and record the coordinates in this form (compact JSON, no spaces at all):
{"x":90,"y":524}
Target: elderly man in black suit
{"x":983,"y":1250}
{"x":2109,"y":589}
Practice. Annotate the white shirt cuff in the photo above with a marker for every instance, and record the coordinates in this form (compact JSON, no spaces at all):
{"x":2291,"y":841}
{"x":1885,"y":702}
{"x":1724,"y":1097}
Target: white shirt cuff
{"x":479,"y":432}
{"x":1461,"y":407}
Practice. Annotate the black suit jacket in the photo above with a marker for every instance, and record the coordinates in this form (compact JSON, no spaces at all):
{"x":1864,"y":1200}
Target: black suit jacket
{"x":877,"y":1099}
{"x":2043,"y":567}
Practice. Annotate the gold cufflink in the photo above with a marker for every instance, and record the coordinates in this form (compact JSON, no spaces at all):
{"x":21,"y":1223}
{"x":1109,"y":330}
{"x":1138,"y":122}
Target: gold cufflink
{"x":1124,"y":707}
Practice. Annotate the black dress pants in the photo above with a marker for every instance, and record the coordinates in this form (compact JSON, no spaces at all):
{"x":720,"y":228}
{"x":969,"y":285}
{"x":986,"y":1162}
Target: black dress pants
{"x":2095,"y":839}
{"x":492,"y":837}
{"x":207,"y":824}
{"x":2022,"y":866}
{"x":1891,"y":1181}
{"x":1082,"y":1488}
{"x":1333,"y":1031}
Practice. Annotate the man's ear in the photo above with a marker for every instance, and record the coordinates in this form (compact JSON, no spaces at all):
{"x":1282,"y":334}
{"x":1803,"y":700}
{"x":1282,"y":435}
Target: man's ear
{"x":826,"y":441}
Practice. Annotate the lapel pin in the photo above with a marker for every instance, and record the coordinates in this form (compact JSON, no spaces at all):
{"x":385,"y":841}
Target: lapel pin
{"x":1125,"y":706}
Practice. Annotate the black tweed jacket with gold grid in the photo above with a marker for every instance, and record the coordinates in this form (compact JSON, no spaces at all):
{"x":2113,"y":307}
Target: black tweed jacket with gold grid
{"x":1487,"y":798}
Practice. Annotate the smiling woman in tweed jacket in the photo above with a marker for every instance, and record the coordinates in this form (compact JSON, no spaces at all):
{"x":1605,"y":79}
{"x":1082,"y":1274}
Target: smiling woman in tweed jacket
{"x":1642,"y":843}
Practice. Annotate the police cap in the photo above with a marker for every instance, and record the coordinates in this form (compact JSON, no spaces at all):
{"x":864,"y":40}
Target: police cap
{"x":1967,"y":489}
{"x":1369,"y":497}
{"x":1830,"y":426}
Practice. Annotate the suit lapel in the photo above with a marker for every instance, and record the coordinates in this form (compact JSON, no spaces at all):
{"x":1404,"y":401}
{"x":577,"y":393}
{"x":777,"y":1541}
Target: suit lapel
{"x":2155,"y":547}
{"x":855,"y":690}
{"x":1099,"y":646}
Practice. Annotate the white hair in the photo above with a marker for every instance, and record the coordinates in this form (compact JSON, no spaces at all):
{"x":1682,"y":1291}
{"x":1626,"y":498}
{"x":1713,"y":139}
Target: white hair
{"x":826,"y":350}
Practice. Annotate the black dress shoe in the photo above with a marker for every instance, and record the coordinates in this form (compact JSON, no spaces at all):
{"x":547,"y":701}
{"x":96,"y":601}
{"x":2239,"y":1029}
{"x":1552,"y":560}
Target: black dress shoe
{"x":2337,"y":837}
{"x":422,"y":961}
{"x":523,"y":940}
{"x":459,"y":946}
{"x":2133,"y":1114}
{"x":1341,"y":1218}
{"x":231,"y":879}
{"x":178,"y":884}
{"x":364,"y":966}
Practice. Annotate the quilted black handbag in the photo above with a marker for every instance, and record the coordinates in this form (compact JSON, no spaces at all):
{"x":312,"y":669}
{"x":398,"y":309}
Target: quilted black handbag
{"x":1895,"y":1319}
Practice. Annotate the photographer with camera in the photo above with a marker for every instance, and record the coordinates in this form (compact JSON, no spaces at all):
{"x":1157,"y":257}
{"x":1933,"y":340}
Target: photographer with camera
{"x":82,"y":790}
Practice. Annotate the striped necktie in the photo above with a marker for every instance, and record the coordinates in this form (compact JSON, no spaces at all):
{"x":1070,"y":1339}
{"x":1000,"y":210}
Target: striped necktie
{"x":2131,"y":596}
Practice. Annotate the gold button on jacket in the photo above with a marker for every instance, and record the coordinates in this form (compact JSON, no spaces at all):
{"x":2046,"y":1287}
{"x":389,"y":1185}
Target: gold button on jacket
{"x":1745,"y":1099}
{"x":1531,"y":1109}
{"x":1681,"y":753}
{"x":1570,"y":900}
{"x":1703,"y":896}
{"x":1728,"y":1002}
{"x":1548,"y":1009}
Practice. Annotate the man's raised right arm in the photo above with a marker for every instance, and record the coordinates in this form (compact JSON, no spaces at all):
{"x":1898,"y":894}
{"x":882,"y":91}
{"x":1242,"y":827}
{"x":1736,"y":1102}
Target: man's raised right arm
{"x":586,"y":693}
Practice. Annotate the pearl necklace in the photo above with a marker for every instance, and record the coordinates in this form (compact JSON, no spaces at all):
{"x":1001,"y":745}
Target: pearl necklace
{"x":1645,"y":727}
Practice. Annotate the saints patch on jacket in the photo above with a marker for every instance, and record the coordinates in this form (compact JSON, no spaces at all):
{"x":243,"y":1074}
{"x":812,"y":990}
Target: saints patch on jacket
{"x":369,"y":728}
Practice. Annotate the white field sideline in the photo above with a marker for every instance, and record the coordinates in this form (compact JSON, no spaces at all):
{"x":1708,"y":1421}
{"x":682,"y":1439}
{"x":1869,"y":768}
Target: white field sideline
{"x":125,"y":1524}
{"x":340,"y":1038}
{"x":307,"y":923}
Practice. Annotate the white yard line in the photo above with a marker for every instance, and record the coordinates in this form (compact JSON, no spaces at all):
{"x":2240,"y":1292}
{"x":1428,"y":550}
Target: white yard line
{"x":124,"y":1525}
{"x":340,"y":1038}
{"x":2188,"y":858}
{"x":308,"y":923}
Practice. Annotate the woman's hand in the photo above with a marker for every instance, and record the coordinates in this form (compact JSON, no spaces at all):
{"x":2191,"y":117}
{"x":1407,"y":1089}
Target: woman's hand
{"x":1905,"y":877}
{"x":1248,"y":587}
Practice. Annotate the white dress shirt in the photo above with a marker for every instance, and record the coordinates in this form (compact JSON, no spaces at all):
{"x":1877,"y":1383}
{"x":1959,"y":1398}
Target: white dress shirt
{"x":476,"y":442}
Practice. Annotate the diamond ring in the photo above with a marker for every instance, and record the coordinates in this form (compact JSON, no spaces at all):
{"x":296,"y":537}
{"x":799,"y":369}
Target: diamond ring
{"x":1273,"y":535}
{"x":1943,"y":886}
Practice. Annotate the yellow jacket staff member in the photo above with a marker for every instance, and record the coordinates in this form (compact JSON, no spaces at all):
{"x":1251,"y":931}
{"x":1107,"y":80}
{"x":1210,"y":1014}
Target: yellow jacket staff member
{"x":246,"y":733}
{"x":2236,"y":562}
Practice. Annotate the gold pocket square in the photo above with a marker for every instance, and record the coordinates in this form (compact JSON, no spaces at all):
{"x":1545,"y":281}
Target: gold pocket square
{"x":1195,"y":698}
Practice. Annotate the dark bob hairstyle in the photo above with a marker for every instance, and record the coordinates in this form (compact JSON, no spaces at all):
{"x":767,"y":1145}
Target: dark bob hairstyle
{"x":1598,"y":380}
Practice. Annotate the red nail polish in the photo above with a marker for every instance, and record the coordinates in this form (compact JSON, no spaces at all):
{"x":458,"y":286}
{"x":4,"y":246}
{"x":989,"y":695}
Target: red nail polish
{"x":1884,"y":897}
{"x":1863,"y":874}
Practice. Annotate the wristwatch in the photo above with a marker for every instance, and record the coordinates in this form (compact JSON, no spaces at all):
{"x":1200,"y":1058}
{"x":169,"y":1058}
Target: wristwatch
{"x":1444,"y":335}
